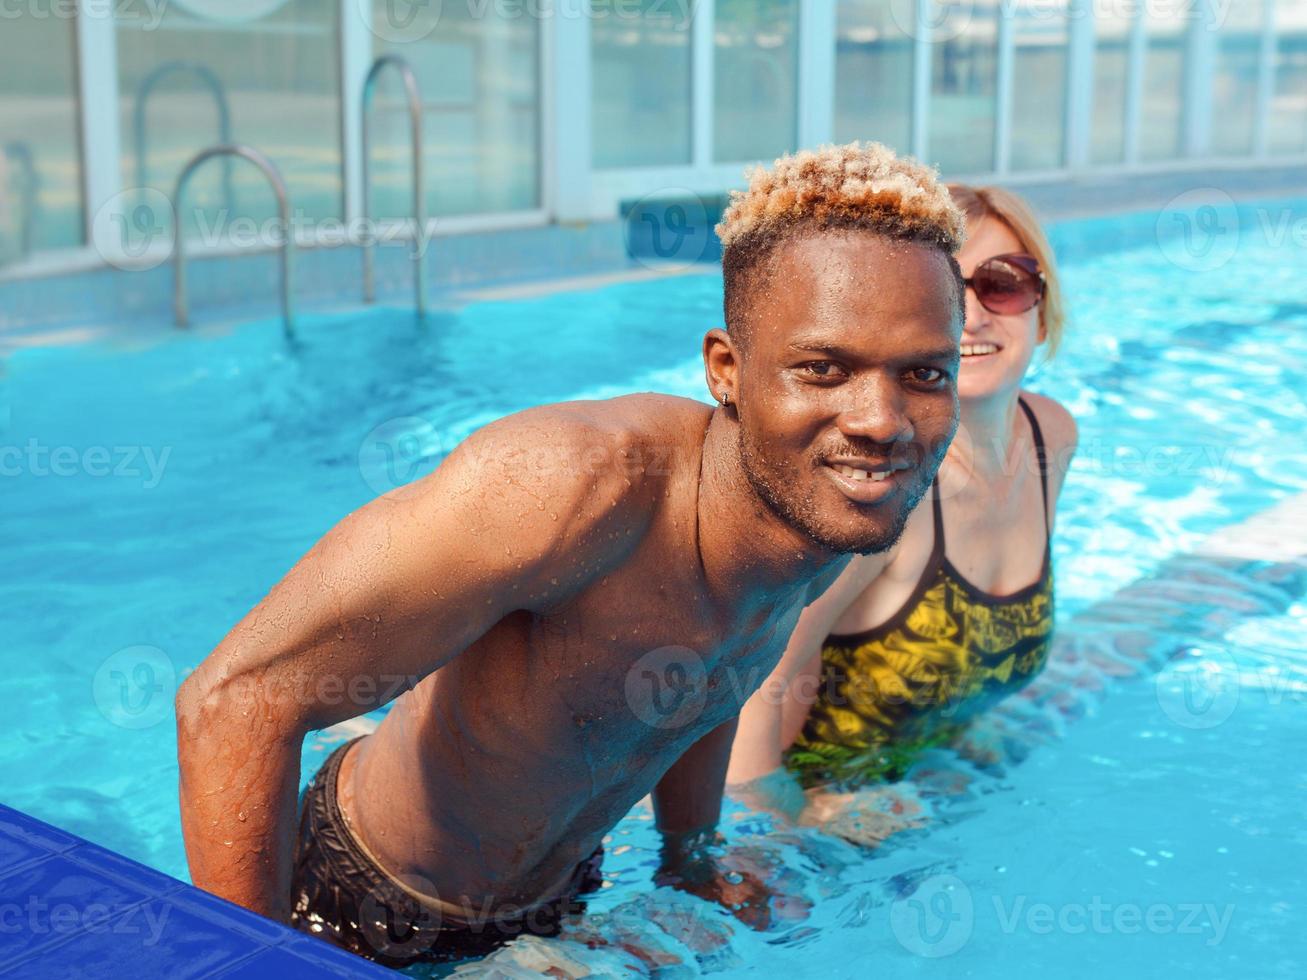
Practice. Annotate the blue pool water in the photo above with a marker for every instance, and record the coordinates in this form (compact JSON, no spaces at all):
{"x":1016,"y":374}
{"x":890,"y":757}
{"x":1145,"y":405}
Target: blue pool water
{"x":154,"y":492}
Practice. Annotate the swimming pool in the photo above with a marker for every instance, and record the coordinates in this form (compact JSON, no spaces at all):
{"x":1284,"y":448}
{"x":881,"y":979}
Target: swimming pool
{"x":153,"y":492}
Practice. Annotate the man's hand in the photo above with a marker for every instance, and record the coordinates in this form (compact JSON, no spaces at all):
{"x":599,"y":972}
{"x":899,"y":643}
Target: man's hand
{"x":750,"y":882}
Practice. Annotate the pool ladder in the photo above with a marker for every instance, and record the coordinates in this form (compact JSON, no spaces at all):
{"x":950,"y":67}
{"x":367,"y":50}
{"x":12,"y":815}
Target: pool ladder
{"x":204,"y":74}
{"x":179,"y":300}
{"x":414,"y":98}
{"x":21,"y":153}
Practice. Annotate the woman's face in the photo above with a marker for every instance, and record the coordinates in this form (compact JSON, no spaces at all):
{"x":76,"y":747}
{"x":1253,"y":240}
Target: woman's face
{"x":996,"y":348}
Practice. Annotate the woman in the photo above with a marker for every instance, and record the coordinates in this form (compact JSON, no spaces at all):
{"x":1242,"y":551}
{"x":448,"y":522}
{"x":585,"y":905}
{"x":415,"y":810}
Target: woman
{"x":907,"y":646}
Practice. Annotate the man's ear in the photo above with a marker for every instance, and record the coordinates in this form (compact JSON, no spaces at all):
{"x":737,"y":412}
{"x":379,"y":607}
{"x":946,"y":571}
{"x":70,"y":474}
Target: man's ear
{"x":721,"y":365}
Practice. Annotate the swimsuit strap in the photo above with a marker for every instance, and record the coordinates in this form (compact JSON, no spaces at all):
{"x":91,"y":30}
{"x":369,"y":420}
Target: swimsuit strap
{"x":1042,"y":455}
{"x":937,"y":552}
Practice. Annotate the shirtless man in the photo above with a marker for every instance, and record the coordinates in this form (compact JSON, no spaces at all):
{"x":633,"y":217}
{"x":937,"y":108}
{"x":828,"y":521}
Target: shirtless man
{"x":568,"y":611}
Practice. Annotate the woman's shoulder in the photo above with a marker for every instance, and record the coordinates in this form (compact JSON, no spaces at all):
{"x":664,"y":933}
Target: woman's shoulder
{"x":1061,"y":434}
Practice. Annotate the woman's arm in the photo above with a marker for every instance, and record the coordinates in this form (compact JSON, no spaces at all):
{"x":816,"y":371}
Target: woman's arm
{"x":763,"y":733}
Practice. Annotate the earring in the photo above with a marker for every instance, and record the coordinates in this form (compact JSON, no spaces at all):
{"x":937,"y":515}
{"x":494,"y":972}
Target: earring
{"x":726,"y":398}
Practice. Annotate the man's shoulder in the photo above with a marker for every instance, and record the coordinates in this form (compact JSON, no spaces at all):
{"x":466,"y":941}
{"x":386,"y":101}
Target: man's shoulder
{"x":642,"y":415}
{"x":620,"y":452}
{"x":636,"y":435}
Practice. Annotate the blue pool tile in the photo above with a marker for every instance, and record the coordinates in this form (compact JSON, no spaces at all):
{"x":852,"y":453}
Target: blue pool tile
{"x":230,"y":917}
{"x":290,"y":963}
{"x":328,"y":957}
{"x":154,"y":883}
{"x":278,"y":963}
{"x":69,"y":908}
{"x":15,"y":851}
{"x":29,"y":833}
{"x":154,"y":939}
{"x":47,"y":903}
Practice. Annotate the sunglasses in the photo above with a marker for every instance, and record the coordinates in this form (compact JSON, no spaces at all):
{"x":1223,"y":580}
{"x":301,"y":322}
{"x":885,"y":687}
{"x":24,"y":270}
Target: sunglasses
{"x":1008,"y":284}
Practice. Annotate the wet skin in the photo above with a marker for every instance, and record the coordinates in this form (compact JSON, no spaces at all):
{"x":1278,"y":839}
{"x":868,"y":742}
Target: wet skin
{"x":520,"y":584}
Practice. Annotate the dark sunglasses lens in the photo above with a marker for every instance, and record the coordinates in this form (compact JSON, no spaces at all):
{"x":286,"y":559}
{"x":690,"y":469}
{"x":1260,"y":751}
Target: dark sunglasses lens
{"x":1004,"y":287}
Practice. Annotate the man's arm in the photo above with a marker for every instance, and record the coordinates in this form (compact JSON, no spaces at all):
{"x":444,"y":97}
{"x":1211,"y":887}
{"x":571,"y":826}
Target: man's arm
{"x":394,"y":591}
{"x":688,"y":799}
{"x":687,"y":805}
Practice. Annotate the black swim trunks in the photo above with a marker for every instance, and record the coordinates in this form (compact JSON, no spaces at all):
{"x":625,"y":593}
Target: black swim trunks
{"x":340,"y":893}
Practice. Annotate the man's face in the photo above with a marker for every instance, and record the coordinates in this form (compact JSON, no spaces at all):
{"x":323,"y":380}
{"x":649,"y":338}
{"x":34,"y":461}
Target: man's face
{"x":847,"y":390}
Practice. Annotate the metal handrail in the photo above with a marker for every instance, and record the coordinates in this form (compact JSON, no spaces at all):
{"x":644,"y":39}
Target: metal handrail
{"x":414,"y":97}
{"x":178,"y":242}
{"x":22,"y":153}
{"x":214,"y":84}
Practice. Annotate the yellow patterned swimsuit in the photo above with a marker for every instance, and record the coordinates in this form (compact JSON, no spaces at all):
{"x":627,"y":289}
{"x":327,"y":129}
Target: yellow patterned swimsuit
{"x":950,"y":652}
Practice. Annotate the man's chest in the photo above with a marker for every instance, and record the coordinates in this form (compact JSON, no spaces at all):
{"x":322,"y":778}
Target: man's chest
{"x":654,"y":664}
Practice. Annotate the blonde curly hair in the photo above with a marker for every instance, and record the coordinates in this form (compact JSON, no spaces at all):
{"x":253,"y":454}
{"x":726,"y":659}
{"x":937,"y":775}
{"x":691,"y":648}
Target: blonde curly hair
{"x":857,"y":186}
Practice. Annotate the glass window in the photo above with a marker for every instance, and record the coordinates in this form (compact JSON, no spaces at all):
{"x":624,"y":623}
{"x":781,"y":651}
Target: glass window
{"x":641,"y":83}
{"x":873,"y":74}
{"x":1288,"y":122}
{"x":203,"y":73}
{"x":478,"y":66}
{"x":1112,"y":25}
{"x":1039,"y":63}
{"x":1234,"y":87}
{"x":755,"y":79}
{"x":1161,"y":115}
{"x":40,"y":162}
{"x":963,"y":90}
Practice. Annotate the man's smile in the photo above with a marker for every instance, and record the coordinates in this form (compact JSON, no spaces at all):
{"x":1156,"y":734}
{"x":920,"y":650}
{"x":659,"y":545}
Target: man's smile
{"x":865,"y":481}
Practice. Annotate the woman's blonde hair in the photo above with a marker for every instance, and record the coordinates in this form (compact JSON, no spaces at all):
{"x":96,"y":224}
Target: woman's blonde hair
{"x":1003,"y":205}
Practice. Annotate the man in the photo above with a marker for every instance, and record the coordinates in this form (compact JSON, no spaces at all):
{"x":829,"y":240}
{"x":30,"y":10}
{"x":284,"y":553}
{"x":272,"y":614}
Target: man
{"x":571,"y":599}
